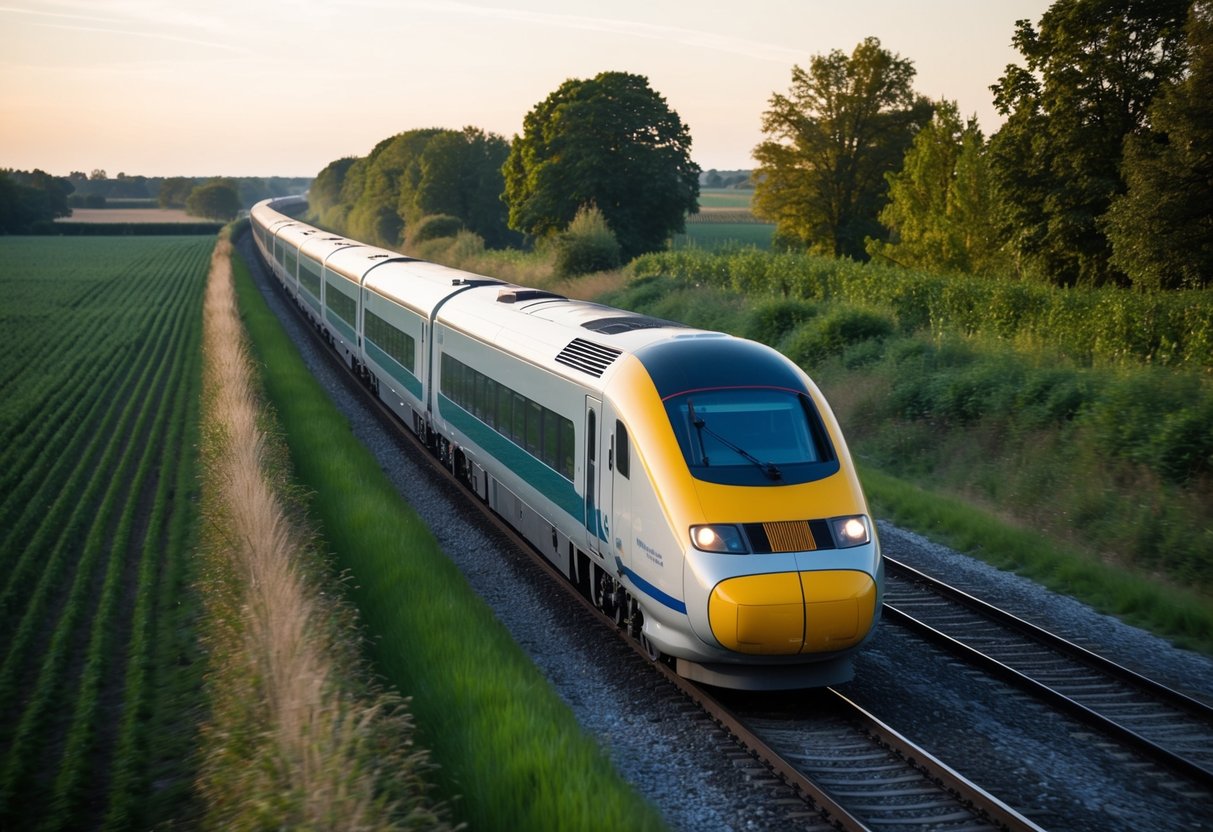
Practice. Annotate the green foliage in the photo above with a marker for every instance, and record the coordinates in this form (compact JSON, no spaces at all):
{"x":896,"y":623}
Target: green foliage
{"x":940,"y":212}
{"x":174,"y":191}
{"x":216,"y":200}
{"x":770,"y":321}
{"x":324,"y":195}
{"x":433,"y":227}
{"x":844,"y":124}
{"x":587,"y":245}
{"x":507,"y":747}
{"x":831,"y":334}
{"x":373,"y":184}
{"x":1161,"y":228}
{"x":460,"y":175}
{"x":27,"y":198}
{"x":609,"y":141}
{"x":411,"y":175}
{"x":1092,"y":69}
{"x":1088,"y":325}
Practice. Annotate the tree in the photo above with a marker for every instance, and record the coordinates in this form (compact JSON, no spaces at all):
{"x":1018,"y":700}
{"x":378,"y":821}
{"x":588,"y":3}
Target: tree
{"x":373,"y":185}
{"x":324,"y":196}
{"x":1161,"y":228}
{"x":175,"y":190}
{"x":609,"y":141}
{"x":844,"y":124}
{"x":215,"y":200}
{"x":1093,"y":68}
{"x":940,"y":212}
{"x":31,"y":197}
{"x":460,"y":175}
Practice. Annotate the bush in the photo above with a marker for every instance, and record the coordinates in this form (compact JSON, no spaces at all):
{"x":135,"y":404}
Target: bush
{"x":817,"y":340}
{"x":589,"y":245}
{"x":432,"y":227}
{"x":770,"y":321}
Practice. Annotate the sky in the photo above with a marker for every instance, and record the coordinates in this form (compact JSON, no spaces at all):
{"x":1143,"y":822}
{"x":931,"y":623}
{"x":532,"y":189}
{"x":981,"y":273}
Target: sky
{"x":281,"y":88}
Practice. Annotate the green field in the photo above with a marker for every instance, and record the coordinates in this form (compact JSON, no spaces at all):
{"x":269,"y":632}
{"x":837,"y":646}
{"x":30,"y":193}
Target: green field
{"x":724,"y":198}
{"x":713,"y":236}
{"x":98,"y":425}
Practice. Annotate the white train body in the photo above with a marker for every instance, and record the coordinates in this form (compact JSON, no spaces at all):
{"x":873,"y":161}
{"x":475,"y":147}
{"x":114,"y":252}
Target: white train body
{"x":592,"y":431}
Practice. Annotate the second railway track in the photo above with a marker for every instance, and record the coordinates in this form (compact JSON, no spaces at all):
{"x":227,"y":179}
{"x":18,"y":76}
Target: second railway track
{"x":1166,"y":725}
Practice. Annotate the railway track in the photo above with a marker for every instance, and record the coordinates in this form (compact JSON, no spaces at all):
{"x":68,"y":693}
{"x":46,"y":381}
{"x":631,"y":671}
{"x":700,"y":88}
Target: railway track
{"x":1162,"y":724}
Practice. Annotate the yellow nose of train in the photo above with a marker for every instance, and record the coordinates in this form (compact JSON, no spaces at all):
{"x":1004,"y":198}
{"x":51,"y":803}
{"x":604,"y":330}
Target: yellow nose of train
{"x":788,"y":613}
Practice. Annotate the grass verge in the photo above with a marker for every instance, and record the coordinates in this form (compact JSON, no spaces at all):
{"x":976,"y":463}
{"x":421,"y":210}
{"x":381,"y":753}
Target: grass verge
{"x":296,"y":738}
{"x":510,"y":753}
{"x":1172,"y":611}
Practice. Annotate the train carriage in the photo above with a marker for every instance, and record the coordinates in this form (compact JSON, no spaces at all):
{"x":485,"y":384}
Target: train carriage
{"x":694,"y":485}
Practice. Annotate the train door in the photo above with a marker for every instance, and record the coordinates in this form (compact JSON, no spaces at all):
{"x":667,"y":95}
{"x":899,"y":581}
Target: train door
{"x":597,"y":482}
{"x":621,"y":493}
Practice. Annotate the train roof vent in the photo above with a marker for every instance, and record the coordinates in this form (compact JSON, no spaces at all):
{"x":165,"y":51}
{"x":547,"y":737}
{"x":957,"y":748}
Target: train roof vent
{"x":520,"y":295}
{"x":588,"y":357}
{"x":627,"y":323}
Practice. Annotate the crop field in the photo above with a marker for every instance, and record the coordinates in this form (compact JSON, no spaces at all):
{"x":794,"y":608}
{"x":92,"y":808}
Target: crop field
{"x":714,"y":235}
{"x":98,"y":430}
{"x":724,"y":198}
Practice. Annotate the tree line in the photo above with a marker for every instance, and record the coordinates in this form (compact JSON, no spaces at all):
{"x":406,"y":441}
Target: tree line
{"x":1101,"y":174}
{"x":607,"y":150}
{"x":29,"y":198}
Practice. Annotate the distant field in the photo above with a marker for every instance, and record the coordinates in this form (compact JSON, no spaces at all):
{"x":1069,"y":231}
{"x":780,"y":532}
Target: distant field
{"x":98,"y":430}
{"x":716,"y":235}
{"x":111,"y":215}
{"x":724,"y":198}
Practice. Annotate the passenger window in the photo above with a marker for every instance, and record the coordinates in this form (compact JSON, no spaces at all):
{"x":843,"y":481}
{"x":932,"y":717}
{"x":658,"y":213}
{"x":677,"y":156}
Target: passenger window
{"x":621,"y":449}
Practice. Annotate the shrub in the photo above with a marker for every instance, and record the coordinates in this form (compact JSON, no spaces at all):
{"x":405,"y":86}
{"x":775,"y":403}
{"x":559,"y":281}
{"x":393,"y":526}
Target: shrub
{"x":770,"y":321}
{"x":588,"y":245}
{"x":817,"y":340}
{"x":433,"y":227}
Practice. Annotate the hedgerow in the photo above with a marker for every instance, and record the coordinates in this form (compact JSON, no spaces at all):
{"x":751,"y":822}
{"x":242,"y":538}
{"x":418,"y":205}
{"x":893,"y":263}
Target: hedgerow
{"x":1088,"y":325}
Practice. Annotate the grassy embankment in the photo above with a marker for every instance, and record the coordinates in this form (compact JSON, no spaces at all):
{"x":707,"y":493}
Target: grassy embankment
{"x":99,"y":664}
{"x":510,"y":754}
{"x":296,"y":737}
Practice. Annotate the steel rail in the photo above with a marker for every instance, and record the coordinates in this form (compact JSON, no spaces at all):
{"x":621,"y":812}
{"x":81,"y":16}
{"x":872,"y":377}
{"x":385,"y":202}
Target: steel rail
{"x":1168,"y":697}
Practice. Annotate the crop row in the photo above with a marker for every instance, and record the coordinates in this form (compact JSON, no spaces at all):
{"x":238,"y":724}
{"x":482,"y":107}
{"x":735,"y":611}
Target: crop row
{"x":96,"y":511}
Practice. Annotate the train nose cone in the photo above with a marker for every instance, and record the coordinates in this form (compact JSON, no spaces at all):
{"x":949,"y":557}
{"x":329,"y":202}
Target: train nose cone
{"x":786,"y":613}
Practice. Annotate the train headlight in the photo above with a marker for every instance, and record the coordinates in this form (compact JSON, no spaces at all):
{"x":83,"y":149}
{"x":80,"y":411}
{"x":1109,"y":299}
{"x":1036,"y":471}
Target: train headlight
{"x":850,"y":531}
{"x":725,"y":539}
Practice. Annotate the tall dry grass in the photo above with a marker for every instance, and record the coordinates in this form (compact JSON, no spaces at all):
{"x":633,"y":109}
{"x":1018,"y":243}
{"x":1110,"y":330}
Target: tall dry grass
{"x":297,"y":738}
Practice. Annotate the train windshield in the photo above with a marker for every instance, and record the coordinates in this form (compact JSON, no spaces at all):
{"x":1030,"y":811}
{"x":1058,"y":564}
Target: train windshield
{"x":751,"y":436}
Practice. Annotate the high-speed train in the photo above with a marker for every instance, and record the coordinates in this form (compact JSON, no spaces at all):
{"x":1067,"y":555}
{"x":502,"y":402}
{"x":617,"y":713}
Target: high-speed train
{"x":694,"y":485}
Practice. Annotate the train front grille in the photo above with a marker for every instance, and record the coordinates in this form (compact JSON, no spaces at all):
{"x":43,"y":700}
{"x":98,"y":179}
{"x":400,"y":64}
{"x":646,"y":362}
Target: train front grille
{"x":789,"y":536}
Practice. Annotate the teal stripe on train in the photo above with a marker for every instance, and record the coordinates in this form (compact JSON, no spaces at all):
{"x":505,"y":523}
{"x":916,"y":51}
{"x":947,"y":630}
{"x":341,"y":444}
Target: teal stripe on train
{"x":394,"y":369}
{"x":544,"y":479}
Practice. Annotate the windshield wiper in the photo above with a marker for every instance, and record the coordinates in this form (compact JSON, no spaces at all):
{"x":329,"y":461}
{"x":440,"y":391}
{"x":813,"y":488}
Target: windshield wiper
{"x":769,"y":468}
{"x":698,"y":423}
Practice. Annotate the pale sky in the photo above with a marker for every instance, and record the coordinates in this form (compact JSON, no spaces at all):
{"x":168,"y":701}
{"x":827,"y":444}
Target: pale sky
{"x":278,"y":88}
